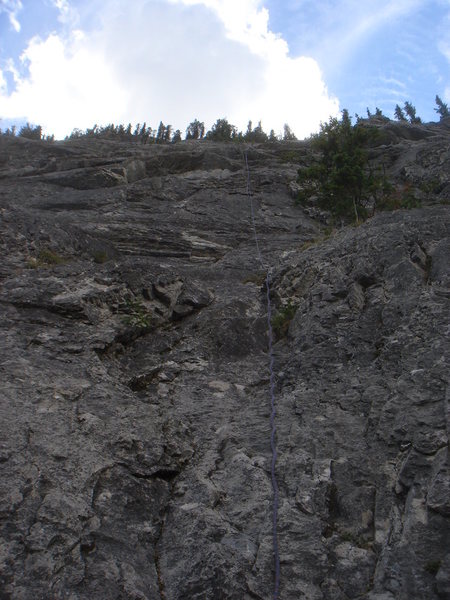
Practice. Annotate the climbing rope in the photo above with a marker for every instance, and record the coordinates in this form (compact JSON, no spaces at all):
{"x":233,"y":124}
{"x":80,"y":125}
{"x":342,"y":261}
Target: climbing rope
{"x":273,"y":412}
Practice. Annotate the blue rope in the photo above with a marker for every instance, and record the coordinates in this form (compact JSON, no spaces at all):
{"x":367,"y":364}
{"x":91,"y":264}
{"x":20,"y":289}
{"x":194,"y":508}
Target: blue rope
{"x":252,"y":210}
{"x":273,"y":413}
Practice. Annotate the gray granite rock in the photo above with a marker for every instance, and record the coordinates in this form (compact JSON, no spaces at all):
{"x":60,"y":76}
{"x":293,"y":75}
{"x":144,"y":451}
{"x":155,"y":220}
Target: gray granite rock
{"x":135,"y":449}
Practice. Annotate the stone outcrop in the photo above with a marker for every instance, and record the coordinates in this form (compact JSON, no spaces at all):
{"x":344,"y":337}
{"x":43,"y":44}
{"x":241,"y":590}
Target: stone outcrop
{"x":135,"y":451}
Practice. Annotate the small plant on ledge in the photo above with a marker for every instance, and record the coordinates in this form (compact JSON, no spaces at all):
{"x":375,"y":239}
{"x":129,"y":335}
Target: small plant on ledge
{"x":45,"y":258}
{"x":281,"y":321}
{"x":138,"y":316}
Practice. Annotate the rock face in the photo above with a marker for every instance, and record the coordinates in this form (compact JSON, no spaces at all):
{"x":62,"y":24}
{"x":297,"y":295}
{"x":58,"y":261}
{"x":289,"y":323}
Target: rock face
{"x":135,"y":450}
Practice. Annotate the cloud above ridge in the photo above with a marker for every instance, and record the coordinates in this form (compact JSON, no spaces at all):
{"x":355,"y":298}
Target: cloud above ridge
{"x":166,"y":59}
{"x":12,"y":9}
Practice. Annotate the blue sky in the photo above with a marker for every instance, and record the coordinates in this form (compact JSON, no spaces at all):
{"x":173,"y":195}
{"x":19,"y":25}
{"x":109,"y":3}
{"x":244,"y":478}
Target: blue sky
{"x":373,"y":53}
{"x":73,"y":63}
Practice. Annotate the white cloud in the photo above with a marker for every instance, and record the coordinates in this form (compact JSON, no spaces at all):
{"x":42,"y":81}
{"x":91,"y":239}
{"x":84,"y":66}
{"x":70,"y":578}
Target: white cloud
{"x":68,"y":84}
{"x":3,"y":84}
{"x":371,"y":17}
{"x":393,"y":82}
{"x":444,"y":41}
{"x":67,"y":14}
{"x":172,"y":60}
{"x":12,"y":9}
{"x":444,"y":48}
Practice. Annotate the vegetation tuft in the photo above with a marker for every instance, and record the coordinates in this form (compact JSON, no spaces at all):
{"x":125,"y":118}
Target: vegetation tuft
{"x":137,"y":315}
{"x":45,"y":258}
{"x":283,"y":318}
{"x":100,"y":257}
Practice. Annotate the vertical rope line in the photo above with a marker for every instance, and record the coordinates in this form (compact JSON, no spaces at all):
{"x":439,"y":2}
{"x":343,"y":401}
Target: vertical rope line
{"x":252,"y":209}
{"x":273,"y":412}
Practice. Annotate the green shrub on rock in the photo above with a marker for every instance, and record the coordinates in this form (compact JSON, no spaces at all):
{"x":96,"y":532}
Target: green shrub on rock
{"x":281,"y":321}
{"x":342,"y":179}
{"x":45,"y":258}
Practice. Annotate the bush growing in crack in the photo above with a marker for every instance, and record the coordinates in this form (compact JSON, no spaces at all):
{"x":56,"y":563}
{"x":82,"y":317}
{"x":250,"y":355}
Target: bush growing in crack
{"x":45,"y":258}
{"x":281,"y":321}
{"x":137,"y":316}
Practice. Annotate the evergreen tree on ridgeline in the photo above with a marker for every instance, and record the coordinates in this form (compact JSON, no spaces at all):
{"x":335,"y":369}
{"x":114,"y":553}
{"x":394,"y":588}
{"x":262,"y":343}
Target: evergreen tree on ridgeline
{"x":195,"y":130}
{"x":442,"y":108}
{"x":30,"y":132}
{"x":222,"y":131}
{"x":399,"y":114}
{"x":410,"y":111}
{"x":176,"y":137}
{"x":288,"y":135}
{"x":160,"y":133}
{"x":257,"y":134}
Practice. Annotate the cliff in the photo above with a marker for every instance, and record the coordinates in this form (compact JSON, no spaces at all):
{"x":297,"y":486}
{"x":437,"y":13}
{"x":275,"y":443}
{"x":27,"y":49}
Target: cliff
{"x":135,"y":403}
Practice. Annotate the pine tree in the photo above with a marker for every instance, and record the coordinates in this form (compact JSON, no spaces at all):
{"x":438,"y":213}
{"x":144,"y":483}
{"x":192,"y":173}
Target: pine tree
{"x":288,"y":135}
{"x":10,"y":132}
{"x":222,"y":131}
{"x":257,"y":135}
{"x":399,"y":114}
{"x":342,"y":179}
{"x":145,"y":133}
{"x":30,"y":132}
{"x":442,"y":108}
{"x":410,"y":111}
{"x":160,"y":133}
{"x":176,"y":137}
{"x":195,"y":130}
{"x":167,"y":133}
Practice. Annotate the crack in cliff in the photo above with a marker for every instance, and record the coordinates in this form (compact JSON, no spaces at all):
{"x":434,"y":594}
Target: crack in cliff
{"x":156,"y":550}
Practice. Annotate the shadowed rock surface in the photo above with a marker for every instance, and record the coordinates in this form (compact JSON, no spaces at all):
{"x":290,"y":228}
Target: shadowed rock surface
{"x":135,"y":454}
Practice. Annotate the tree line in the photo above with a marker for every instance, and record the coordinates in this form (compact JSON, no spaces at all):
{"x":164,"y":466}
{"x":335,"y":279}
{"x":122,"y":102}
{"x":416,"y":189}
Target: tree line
{"x":408,"y":113}
{"x":31,"y":132}
{"x":221,"y":131}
